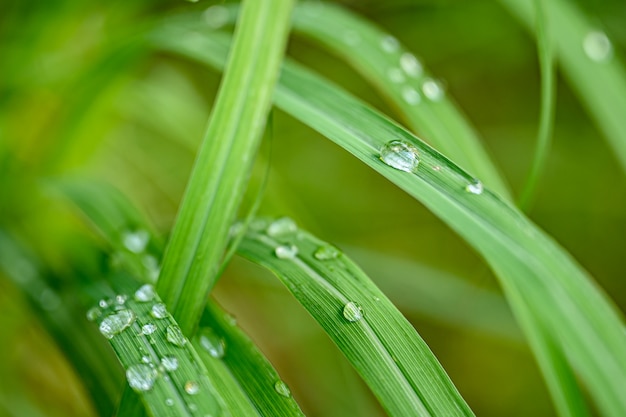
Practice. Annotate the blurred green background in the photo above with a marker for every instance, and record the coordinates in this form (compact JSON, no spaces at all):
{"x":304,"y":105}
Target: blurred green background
{"x":136,"y":121}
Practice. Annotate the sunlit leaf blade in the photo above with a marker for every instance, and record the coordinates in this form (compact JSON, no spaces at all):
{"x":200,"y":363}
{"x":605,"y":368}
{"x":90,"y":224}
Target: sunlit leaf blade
{"x":590,"y":64}
{"x":583,"y":321}
{"x":379,"y":342}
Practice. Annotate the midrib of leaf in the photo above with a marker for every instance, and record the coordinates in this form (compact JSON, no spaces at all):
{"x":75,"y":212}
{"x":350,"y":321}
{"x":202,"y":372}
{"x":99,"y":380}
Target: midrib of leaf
{"x":218,"y":180}
{"x":583,"y":321}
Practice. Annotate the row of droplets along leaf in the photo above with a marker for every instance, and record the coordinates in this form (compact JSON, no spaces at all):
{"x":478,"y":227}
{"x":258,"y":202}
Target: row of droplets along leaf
{"x":404,"y":156}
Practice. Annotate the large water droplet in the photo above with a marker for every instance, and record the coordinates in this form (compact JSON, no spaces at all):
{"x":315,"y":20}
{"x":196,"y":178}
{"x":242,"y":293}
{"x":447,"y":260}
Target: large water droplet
{"x":410,"y":95}
{"x":475,"y":187}
{"x":282,"y":227}
{"x":286,"y":251}
{"x":141,"y":377}
{"x":411,"y":66}
{"x":432,"y":89}
{"x":159,"y":311}
{"x":400,"y":155}
{"x":282,"y":388}
{"x":597,"y":46}
{"x":148,"y":328}
{"x":175,"y":336}
{"x":212,"y":342}
{"x":352,"y":312}
{"x":326,"y":252}
{"x":396,"y":75}
{"x":216,"y":16}
{"x":93,"y":313}
{"x":389,"y":44}
{"x":192,"y":387}
{"x":169,"y":363}
{"x":145,"y":293}
{"x":136,"y":241}
{"x":116,"y":323}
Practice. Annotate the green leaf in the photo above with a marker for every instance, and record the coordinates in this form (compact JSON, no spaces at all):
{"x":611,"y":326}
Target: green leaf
{"x":219,"y":177}
{"x":584,"y":323}
{"x":379,"y":342}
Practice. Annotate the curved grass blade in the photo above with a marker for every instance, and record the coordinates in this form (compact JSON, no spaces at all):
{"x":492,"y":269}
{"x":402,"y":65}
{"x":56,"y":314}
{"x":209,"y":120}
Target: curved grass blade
{"x":548,"y":104}
{"x":219,"y":176}
{"x":588,"y":60}
{"x":379,"y":342}
{"x":246,"y":377}
{"x":584,"y":323}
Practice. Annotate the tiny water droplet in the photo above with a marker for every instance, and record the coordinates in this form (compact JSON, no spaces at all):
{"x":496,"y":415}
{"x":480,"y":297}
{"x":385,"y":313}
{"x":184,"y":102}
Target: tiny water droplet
{"x":432,"y":89}
{"x":216,"y":16}
{"x":281,"y":388}
{"x":352,"y":312}
{"x":103,"y":303}
{"x":192,"y":388}
{"x":410,"y":64}
{"x":141,"y":377}
{"x":396,"y":75}
{"x":597,"y":46}
{"x":282,"y":227}
{"x":93,"y":313}
{"x":377,"y":299}
{"x":116,"y":323}
{"x":351,"y":37}
{"x":475,"y":187}
{"x":169,"y":402}
{"x":158,"y":311}
{"x":145,"y":293}
{"x":170,"y":363}
{"x":120,"y":299}
{"x":410,"y":95}
{"x":212,"y":342}
{"x":389,"y":44}
{"x":400,"y":155}
{"x":152,"y":267}
{"x":437,"y":168}
{"x":286,"y":251}
{"x":145,"y":359}
{"x":326,"y":252}
{"x":148,"y":328}
{"x":175,"y":336}
{"x":136,"y":241}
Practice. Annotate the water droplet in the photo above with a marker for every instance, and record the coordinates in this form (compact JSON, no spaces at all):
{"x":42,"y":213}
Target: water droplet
{"x":216,"y":16}
{"x":212,"y":342}
{"x":411,"y":66}
{"x":145,"y":293}
{"x":396,"y":75}
{"x":437,"y":168}
{"x":141,"y":377}
{"x":103,"y":303}
{"x":400,"y":155}
{"x":352,"y":312}
{"x":282,"y":227}
{"x":152,"y":267}
{"x":170,"y":363}
{"x":475,"y":187}
{"x":116,"y":323}
{"x":389,"y":44}
{"x":175,"y":336}
{"x":120,"y":299}
{"x":136,"y":241}
{"x":286,"y":251}
{"x":410,"y":95}
{"x":432,"y":89}
{"x":597,"y":46}
{"x":93,"y":313}
{"x":159,"y":311}
{"x":326,"y":252}
{"x":192,"y":388}
{"x":169,"y":402}
{"x":282,"y":388}
{"x":377,"y":299}
{"x":148,"y":328}
{"x":145,"y":359}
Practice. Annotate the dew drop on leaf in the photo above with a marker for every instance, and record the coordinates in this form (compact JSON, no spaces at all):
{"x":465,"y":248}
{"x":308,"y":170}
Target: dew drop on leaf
{"x":158,"y":311}
{"x":281,"y":388}
{"x":175,"y":336}
{"x":597,"y":46}
{"x":212,"y":342}
{"x":475,"y":187}
{"x":141,"y":377}
{"x":282,"y":227}
{"x":286,"y":251}
{"x":192,"y":387}
{"x":326,"y":252}
{"x":145,"y":293}
{"x":169,"y":363}
{"x":116,"y":323}
{"x":400,"y":155}
{"x":352,"y":312}
{"x":136,"y":241}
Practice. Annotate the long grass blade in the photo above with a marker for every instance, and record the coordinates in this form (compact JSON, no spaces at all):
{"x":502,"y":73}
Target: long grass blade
{"x":584,"y":323}
{"x":379,"y":342}
{"x":220,"y":174}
